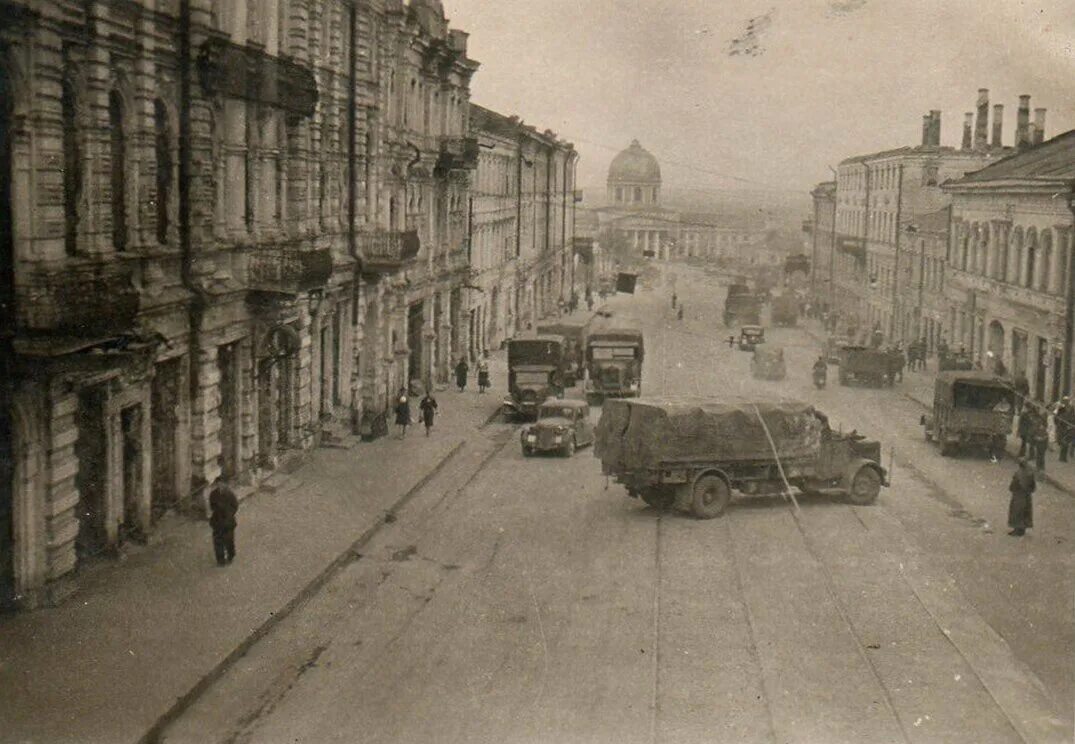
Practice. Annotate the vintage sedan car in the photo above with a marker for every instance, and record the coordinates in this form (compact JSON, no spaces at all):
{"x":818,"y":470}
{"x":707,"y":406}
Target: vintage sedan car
{"x":562,"y":426}
{"x":750,"y":336}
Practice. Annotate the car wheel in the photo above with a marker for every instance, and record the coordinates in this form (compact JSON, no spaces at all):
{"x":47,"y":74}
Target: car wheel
{"x":569,"y":448}
{"x":710,"y":496}
{"x":865,"y":486}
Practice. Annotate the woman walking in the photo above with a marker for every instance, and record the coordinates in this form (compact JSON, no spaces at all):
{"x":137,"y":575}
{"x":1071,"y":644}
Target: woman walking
{"x":483,"y":372}
{"x":428,"y":406}
{"x":461,"y":371}
{"x":1021,"y":506}
{"x":403,"y":412}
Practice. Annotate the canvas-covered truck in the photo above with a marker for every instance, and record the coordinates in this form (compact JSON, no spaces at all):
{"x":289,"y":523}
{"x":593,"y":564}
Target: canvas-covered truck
{"x":691,"y":453}
{"x":970,"y":408}
{"x":536,"y":369}
{"x":862,"y":365}
{"x":614,"y":362}
{"x":784,"y":310}
{"x":741,"y":306}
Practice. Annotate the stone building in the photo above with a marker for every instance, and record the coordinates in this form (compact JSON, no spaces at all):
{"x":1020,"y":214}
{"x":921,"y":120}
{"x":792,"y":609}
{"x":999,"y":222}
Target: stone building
{"x":522,"y":251}
{"x":1011,"y":267}
{"x":925,"y":250}
{"x":634,"y":211}
{"x":226,"y":228}
{"x":878,"y":196}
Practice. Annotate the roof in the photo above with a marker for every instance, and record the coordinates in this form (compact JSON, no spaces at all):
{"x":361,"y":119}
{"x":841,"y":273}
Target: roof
{"x":722,"y":405}
{"x":972,"y":375}
{"x":634,"y":165}
{"x":538,"y":337}
{"x":1052,"y":160}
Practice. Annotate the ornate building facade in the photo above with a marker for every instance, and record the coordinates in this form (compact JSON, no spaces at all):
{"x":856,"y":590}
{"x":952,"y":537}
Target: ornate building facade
{"x":227,"y":229}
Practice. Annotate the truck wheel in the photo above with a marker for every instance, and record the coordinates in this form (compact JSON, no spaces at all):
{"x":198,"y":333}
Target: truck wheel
{"x":865,"y":486}
{"x":710,"y":496}
{"x":569,"y":447}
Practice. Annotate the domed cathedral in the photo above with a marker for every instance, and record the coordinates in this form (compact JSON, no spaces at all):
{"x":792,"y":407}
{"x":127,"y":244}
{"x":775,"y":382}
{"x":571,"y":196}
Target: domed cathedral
{"x":634,"y":212}
{"x":634,"y":178}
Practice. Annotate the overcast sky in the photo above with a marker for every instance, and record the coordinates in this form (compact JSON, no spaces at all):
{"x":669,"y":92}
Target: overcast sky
{"x":824,"y":80}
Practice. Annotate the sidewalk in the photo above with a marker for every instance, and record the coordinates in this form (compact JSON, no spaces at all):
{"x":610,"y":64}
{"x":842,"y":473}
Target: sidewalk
{"x":141,"y":632}
{"x":918,"y":386}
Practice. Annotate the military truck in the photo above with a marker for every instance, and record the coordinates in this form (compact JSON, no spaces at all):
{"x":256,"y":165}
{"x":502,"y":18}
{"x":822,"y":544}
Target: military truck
{"x":741,"y":306}
{"x":785,"y":310}
{"x":863,"y":365}
{"x":614,"y":362}
{"x":691,"y":453}
{"x":536,"y":371}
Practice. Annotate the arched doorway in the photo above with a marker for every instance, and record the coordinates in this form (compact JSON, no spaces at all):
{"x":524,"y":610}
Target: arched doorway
{"x":276,"y":373}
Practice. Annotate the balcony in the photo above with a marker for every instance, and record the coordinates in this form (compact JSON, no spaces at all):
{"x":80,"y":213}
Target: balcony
{"x":86,"y":300}
{"x":284,"y":269}
{"x":385,"y":251}
{"x":458,"y":153}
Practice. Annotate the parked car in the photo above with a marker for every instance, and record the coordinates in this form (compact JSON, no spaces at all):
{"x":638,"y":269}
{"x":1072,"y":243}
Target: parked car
{"x":562,"y":426}
{"x":750,"y":336}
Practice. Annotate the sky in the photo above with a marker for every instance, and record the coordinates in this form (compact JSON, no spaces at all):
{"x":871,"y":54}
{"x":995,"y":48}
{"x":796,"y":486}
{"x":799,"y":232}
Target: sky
{"x":815,"y":82}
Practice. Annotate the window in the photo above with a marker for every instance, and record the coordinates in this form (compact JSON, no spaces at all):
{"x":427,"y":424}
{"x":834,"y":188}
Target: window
{"x":72,"y":164}
{"x":163,"y":157}
{"x":118,"y":144}
{"x":248,"y":174}
{"x":619,"y":193}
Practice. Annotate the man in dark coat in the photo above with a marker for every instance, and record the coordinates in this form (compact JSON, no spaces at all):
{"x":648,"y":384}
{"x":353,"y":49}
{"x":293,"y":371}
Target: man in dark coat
{"x":403,"y":412}
{"x":461,"y":371}
{"x":1025,"y":428}
{"x":1039,"y":435}
{"x":1065,"y":427}
{"x":1021,"y":506}
{"x":223,"y":505}
{"x":429,"y":410}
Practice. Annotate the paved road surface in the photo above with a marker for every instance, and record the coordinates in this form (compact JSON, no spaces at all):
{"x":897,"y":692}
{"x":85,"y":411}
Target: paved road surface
{"x":527,"y":600}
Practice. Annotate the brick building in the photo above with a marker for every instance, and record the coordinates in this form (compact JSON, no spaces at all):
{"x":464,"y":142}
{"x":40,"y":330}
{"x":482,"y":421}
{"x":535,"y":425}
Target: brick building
{"x":226,"y":229}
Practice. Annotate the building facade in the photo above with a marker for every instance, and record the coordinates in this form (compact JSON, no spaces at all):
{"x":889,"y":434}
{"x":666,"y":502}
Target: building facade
{"x":228,"y":228}
{"x":1011,"y":265}
{"x":822,"y":247}
{"x":523,"y":205}
{"x":634,"y":213}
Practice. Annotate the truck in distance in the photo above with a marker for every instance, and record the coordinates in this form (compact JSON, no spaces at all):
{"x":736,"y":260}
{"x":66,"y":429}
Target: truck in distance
{"x":614,"y":362}
{"x":536,"y":370}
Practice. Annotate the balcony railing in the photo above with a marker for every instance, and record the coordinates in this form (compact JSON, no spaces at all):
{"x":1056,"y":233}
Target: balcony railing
{"x":458,"y":153}
{"x":85,"y":300}
{"x":386,"y":251}
{"x":284,"y":269}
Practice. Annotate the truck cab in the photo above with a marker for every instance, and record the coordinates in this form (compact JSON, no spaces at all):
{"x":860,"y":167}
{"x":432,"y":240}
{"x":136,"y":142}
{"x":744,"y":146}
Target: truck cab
{"x":536,"y":371}
{"x":970,"y":408}
{"x":614,"y":362}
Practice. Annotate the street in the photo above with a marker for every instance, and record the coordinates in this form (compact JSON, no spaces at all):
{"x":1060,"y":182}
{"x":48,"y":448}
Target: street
{"x":529,"y":601}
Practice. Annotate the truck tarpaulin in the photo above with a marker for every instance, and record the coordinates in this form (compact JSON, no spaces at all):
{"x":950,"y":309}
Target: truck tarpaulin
{"x":645,"y":433}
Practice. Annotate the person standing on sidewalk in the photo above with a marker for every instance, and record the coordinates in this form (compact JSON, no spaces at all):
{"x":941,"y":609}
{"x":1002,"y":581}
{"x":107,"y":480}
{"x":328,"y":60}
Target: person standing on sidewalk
{"x":1023,"y":430}
{"x":461,"y":371}
{"x":483,"y":372}
{"x":1065,"y":427}
{"x":1021,"y":505}
{"x":223,"y":506}
{"x":1039,"y":435}
{"x":428,"y":406}
{"x":403,"y":412}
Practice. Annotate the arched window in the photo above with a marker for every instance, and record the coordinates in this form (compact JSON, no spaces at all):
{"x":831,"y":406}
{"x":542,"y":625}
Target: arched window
{"x":162,"y":150}
{"x":1000,"y":264}
{"x":1015,"y":267}
{"x":72,"y":164}
{"x":117,"y":139}
{"x":1045,"y":273}
{"x":1031,"y":258}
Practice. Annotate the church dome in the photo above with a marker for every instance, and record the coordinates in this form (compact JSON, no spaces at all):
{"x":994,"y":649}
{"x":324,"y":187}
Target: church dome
{"x":635,"y":165}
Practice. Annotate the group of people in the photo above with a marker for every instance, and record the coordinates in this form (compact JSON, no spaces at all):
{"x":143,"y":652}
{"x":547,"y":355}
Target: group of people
{"x":427,"y":406}
{"x":1033,"y":428}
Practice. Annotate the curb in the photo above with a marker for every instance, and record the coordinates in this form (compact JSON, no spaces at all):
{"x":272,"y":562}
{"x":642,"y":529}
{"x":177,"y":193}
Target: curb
{"x":1045,"y":476}
{"x":153,"y":734}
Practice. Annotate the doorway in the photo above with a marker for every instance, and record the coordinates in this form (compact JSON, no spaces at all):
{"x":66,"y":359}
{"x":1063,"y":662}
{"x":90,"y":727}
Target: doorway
{"x":164,"y":420}
{"x":92,"y":476}
{"x":227,"y":364}
{"x":1019,"y":353}
{"x":131,"y":435}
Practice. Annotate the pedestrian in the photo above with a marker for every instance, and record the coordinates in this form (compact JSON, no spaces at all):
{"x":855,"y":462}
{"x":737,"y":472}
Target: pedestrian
{"x":1023,"y":429}
{"x":679,"y":313}
{"x":731,"y":341}
{"x":1065,"y":427}
{"x":1039,"y":436}
{"x":428,"y":405}
{"x":483,"y":372}
{"x":403,"y":412}
{"x":1021,"y":505}
{"x":223,"y":505}
{"x":674,"y":298}
{"x":1022,"y":390}
{"x":461,"y":371}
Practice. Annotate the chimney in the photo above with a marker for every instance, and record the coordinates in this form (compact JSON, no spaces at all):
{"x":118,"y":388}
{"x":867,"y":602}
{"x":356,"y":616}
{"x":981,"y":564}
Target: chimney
{"x":935,"y":128}
{"x":1039,"y":126}
{"x":981,"y":127}
{"x":1022,"y":122}
{"x":968,"y":125}
{"x":998,"y":125}
{"x":927,"y":129}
